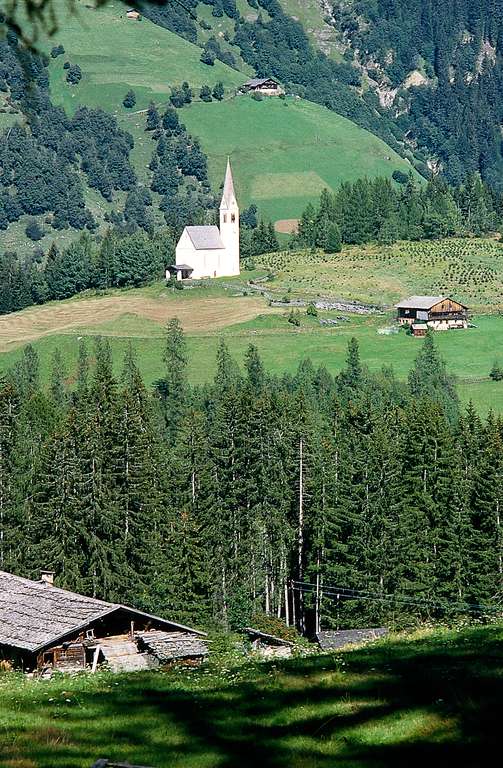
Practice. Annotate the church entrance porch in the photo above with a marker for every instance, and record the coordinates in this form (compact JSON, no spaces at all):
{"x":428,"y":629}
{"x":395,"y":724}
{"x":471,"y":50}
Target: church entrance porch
{"x":180,"y":271}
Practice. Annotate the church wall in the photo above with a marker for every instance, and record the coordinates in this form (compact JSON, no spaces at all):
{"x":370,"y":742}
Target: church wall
{"x":205,"y":263}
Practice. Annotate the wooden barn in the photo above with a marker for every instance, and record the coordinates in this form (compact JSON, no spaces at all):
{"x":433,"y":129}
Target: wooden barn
{"x":440,"y":313}
{"x":267,"y":86}
{"x":43,"y":627}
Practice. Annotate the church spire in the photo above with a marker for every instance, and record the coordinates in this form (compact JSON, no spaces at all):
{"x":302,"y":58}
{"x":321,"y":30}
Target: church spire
{"x":228,"y":196}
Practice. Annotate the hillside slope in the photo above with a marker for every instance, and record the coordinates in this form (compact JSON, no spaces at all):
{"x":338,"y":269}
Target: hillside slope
{"x":285,"y":152}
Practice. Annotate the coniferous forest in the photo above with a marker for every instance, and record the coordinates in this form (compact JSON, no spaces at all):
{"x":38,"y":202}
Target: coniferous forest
{"x":253,"y":493}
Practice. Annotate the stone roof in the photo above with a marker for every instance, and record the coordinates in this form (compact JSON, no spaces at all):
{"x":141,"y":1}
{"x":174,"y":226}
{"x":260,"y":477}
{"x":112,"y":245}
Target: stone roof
{"x":205,"y":238}
{"x":420,"y":302}
{"x":332,"y":640}
{"x":34,"y":615}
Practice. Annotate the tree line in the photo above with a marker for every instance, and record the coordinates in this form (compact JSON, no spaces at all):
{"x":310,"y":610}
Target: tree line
{"x":113,"y":261}
{"x":206,"y":503}
{"x":376,"y":210}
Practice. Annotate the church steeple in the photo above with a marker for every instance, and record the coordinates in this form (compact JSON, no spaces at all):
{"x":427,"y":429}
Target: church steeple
{"x":228,"y":196}
{"x":229,"y":223}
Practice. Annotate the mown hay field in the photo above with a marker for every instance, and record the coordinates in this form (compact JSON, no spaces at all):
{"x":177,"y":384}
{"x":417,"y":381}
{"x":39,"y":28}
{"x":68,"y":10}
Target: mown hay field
{"x":433,"y":696}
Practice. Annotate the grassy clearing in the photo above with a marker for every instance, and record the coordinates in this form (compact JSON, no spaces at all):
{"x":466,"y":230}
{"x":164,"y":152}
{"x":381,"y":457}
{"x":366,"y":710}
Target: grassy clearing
{"x":469,"y":270}
{"x":285,"y":152}
{"x":220,"y":308}
{"x":138,"y":316}
{"x":432,"y":696}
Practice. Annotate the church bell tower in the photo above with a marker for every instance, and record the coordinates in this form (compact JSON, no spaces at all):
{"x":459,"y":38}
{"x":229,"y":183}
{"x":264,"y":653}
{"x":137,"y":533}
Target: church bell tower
{"x":229,"y":223}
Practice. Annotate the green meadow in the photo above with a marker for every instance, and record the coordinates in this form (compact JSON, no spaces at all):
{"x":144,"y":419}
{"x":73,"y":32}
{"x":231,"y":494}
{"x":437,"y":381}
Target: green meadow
{"x":468,"y":354}
{"x":284,"y":152}
{"x":430,"y":697}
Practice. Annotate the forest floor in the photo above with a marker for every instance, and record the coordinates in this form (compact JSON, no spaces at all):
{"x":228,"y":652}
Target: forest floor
{"x":433,"y":697}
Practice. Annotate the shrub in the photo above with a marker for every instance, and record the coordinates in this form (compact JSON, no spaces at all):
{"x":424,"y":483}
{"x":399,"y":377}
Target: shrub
{"x":207,"y":57}
{"x":66,"y":65}
{"x":58,"y":50}
{"x":257,"y":96}
{"x":205,"y":93}
{"x":311,"y":310}
{"x":129,"y":100}
{"x":400,"y":177}
{"x":218,"y":91}
{"x":74,"y":74}
{"x":293,"y":318}
{"x":496,"y":373}
{"x":34,"y":231}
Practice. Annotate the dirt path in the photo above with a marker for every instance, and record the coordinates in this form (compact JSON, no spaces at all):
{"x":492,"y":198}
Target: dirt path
{"x":198,"y":314}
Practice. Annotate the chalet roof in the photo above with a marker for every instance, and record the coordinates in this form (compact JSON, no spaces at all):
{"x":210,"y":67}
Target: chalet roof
{"x":272,"y":639}
{"x":420,"y":302}
{"x":34,"y":615}
{"x":205,"y":238}
{"x":256,"y":82}
{"x":332,"y":640}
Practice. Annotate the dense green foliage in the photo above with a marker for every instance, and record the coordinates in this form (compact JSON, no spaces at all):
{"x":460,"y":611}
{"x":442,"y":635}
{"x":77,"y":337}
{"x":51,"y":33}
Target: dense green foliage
{"x":114,"y":261}
{"x":40,"y":163}
{"x":205,"y":503}
{"x":456,"y":113}
{"x":374,"y":210}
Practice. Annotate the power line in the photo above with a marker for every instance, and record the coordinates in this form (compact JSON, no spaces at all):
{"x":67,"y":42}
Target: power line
{"x":349,"y":593}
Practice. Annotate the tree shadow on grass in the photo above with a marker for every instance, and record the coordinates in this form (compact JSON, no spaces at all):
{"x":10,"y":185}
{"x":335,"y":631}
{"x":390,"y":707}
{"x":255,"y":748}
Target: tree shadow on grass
{"x":392,"y":704}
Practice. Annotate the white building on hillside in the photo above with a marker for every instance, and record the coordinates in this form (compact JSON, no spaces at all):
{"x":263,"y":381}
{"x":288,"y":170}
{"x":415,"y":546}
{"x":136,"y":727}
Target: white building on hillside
{"x":209,"y":251}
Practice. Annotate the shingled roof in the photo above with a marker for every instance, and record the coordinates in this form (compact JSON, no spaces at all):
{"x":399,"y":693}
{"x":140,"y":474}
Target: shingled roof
{"x":205,"y":238}
{"x":34,"y":615}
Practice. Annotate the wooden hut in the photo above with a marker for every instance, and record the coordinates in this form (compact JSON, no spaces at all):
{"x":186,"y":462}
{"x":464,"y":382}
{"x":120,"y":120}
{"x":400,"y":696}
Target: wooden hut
{"x":267,"y":86}
{"x":43,"y":627}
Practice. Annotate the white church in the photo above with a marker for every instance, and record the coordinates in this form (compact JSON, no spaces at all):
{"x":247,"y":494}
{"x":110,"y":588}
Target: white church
{"x":209,"y":251}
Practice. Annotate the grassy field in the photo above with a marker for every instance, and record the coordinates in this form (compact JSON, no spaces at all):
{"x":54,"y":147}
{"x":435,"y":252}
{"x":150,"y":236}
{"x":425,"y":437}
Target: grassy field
{"x":285,"y":152}
{"x":469,"y":270}
{"x":433,"y":697}
{"x":139,"y":316}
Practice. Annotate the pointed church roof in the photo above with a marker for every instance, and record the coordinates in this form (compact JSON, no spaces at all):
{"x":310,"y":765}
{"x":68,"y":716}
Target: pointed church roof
{"x":228,"y":196}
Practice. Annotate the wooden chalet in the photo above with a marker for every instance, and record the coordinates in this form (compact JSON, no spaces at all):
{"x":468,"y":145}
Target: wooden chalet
{"x":264,"y":85}
{"x":440,"y":313}
{"x":332,"y":640}
{"x":268,"y":646}
{"x":43,"y":627}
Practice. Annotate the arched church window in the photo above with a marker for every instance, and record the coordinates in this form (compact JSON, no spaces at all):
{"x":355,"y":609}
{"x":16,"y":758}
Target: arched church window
{"x":233,"y":217}
{"x":225,"y":218}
